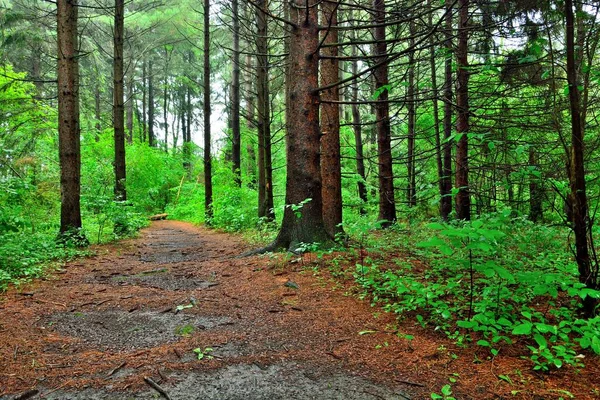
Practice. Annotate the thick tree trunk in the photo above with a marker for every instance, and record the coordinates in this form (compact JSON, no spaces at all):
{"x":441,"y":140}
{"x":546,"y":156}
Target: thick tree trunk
{"x":118,"y":103}
{"x":235,"y":97}
{"x":387,"y":202}
{"x":303,"y":215}
{"x":265,"y":168}
{"x":588,"y":270}
{"x":463,"y":201}
{"x":446,"y":180}
{"x":68,"y":118}
{"x":331,"y":167}
{"x":208,"y":207}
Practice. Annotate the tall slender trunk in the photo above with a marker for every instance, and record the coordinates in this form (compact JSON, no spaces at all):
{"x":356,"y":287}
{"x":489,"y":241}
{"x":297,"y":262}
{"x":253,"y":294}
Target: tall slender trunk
{"x":235,"y":97}
{"x":463,"y":200}
{"x":331,"y":168}
{"x":144,"y":102}
{"x":97,"y":111}
{"x":129,"y":108}
{"x":436,"y":110}
{"x":588,"y":270}
{"x":151,"y":136}
{"x":208,"y":207}
{"x":387,"y":202}
{"x":536,"y":212}
{"x":265,"y":169}
{"x":412,"y":120}
{"x":118,"y":102}
{"x":446,"y":180}
{"x":166,"y":101}
{"x":358,"y":140}
{"x":68,"y":118}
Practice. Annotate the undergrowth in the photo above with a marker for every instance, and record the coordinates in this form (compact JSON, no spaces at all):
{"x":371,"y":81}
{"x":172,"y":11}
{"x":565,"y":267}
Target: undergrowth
{"x":494,"y":281}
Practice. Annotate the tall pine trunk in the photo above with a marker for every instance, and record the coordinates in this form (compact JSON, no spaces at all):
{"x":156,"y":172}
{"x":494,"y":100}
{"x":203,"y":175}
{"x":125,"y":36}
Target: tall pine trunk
{"x":118,"y":102}
{"x":387,"y":202}
{"x":446,"y":180}
{"x":208,"y":190}
{"x":68,"y":118}
{"x":235,"y":97}
{"x":331,"y":168}
{"x":463,"y":200}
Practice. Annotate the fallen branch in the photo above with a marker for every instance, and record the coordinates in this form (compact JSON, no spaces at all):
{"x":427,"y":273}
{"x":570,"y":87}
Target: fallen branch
{"x":410,"y":383}
{"x":111,"y":373}
{"x":156,"y":387}
{"x":50,"y":302}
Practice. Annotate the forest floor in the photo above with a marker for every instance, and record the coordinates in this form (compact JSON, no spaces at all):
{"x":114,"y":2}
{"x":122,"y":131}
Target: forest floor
{"x":177,"y":314}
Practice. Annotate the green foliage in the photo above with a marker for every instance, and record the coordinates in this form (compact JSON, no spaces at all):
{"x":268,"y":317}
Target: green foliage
{"x":485,"y":283}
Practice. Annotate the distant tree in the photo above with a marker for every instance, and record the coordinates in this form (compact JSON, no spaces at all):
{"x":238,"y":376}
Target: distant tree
{"x":208,"y":189}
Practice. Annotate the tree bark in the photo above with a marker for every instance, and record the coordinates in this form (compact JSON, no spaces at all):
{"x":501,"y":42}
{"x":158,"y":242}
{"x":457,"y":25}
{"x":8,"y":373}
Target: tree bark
{"x":208,"y":208}
{"x":265,"y":169}
{"x":303,"y":216}
{"x":588,"y":271}
{"x":144,"y":102}
{"x":129,"y":108}
{"x":387,"y":202}
{"x":358,"y":141}
{"x":68,"y":118}
{"x":412,"y":121}
{"x":331,"y":167}
{"x":235,"y":97}
{"x":118,"y":103}
{"x":463,"y":200}
{"x":446,"y":180}
{"x":151,"y":136}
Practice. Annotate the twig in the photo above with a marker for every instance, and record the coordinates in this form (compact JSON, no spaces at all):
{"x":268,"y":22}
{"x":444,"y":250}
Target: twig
{"x":15,"y":352}
{"x":111,"y":373}
{"x":26,"y":395}
{"x":156,"y":387}
{"x":57,"y":389}
{"x":102,"y":302}
{"x":410,"y":383}
{"x":50,"y":302}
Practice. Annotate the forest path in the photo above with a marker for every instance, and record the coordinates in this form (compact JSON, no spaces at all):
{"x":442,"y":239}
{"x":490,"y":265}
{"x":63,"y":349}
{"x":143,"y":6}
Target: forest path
{"x":139,"y":308}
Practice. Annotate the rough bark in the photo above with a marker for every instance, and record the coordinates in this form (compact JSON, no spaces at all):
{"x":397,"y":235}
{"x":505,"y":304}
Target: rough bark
{"x":463,"y":201}
{"x":387,"y":203}
{"x":68,"y":118}
{"x":208,"y":210}
{"x":118,"y":103}
{"x":331,"y":167}
{"x":303,"y":215}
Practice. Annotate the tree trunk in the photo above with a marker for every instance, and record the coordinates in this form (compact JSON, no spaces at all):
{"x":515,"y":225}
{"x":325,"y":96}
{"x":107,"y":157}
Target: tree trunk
{"x":331,"y":168}
{"x":144,"y":102}
{"x":265,"y":169}
{"x":358,"y":141}
{"x":208,"y":210}
{"x":303,"y":216}
{"x":588,"y":270}
{"x":535,"y":194}
{"x":412,"y":121}
{"x":151,"y":137}
{"x":463,"y":201}
{"x":97,"y":111}
{"x":118,"y":103}
{"x":387,"y":203}
{"x":436,"y":111}
{"x":446,"y":181}
{"x":235,"y":97}
{"x":129,"y":109}
{"x":68,"y":118}
{"x":166,"y":101}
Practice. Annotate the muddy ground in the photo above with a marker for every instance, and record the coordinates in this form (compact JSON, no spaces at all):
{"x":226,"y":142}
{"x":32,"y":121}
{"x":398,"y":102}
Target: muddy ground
{"x":176,"y":313}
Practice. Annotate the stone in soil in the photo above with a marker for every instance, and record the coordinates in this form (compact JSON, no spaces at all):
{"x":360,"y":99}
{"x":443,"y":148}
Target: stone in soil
{"x":122,"y":330}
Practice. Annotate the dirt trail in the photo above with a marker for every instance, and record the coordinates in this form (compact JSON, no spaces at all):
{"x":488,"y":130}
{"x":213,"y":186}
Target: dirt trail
{"x":139,"y":308}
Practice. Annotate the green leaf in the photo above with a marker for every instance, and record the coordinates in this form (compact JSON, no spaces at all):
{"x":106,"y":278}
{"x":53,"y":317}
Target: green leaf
{"x":505,"y":378}
{"x":436,"y":396}
{"x":483,"y":343}
{"x":447,"y":390}
{"x":523,"y":329}
{"x":540,"y":340}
